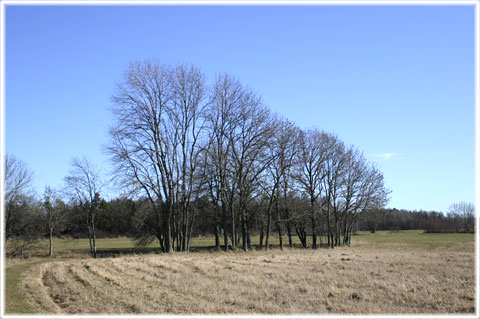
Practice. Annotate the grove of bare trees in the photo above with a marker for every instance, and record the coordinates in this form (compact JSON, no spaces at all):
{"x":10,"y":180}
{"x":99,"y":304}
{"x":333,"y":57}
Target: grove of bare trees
{"x":60,"y":213}
{"x":177,"y":140}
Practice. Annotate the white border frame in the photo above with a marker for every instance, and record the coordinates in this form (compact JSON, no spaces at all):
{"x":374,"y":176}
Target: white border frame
{"x":239,"y":2}
{"x":2,"y":155}
{"x":473,"y":3}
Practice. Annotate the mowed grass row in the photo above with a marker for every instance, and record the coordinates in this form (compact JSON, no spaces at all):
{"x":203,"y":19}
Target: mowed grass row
{"x":404,"y":242}
{"x":358,"y":280}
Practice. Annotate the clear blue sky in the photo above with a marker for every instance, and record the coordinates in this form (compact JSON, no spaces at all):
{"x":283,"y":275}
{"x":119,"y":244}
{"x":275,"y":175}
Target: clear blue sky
{"x":396,"y":81}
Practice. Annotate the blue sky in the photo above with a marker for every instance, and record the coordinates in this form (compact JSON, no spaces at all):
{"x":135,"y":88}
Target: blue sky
{"x":396,"y":81}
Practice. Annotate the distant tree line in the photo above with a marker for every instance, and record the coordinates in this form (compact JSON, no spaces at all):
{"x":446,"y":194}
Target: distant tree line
{"x":459,"y":218}
{"x":199,"y":159}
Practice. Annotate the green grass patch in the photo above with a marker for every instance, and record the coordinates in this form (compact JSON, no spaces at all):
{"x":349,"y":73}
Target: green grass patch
{"x":15,"y":298}
{"x":115,"y":246}
{"x":414,"y":239}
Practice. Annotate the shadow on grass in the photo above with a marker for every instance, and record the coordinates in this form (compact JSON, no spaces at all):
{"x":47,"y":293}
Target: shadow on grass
{"x":118,"y":252}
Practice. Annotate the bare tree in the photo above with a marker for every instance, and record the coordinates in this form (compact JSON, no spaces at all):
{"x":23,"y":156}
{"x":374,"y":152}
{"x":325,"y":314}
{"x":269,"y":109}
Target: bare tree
{"x":311,"y":158}
{"x":155,"y":142}
{"x":249,"y":155}
{"x":363,"y":189}
{"x":17,"y":187}
{"x":54,"y":210}
{"x":222,"y":118}
{"x":142,"y":140}
{"x":239,"y":127}
{"x":466,"y":212}
{"x":333,"y":171}
{"x":84,"y":184}
{"x":188,"y":95}
{"x":281,"y":155}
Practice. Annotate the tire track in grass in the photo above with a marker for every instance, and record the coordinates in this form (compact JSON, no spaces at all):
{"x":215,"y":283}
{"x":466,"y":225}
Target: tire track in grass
{"x":78,"y":276}
{"x":61,"y":286}
{"x":127,"y":285}
{"x":110,"y":290}
{"x":96,"y":295}
{"x":37,"y":292}
{"x":89,"y":297}
{"x":60,"y":289}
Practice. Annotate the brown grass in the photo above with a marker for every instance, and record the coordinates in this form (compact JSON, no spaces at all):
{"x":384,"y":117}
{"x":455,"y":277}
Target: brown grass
{"x":360,"y":280}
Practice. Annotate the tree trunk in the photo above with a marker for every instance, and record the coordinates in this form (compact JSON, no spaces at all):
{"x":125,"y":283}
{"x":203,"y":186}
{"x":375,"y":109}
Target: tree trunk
{"x":185,"y":229}
{"x":90,"y":240}
{"x":225,"y":228}
{"x":289,"y":228}
{"x":50,"y":239}
{"x":244,"y":231}
{"x":314,"y":225}
{"x":287,"y":215}
{"x":279,"y":230}
{"x":346,"y":225}
{"x":289,"y":234}
{"x":168,"y":239}
{"x":168,"y":230}
{"x":160,"y":241}
{"x":314,"y":230}
{"x":301,"y":235}
{"x":278,"y":221}
{"x":190,"y":231}
{"x":260,"y":243}
{"x":234,"y":229}
{"x":237,"y":236}
{"x":94,"y":245}
{"x":217,"y":237}
{"x":328,"y":228}
{"x":269,"y":222}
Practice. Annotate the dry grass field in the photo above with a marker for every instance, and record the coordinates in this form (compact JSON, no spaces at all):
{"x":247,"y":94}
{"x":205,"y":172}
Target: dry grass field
{"x":367,"y":278}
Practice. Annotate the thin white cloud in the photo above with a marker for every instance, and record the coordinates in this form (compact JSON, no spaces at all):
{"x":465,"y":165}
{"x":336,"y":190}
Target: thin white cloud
{"x":386,"y":156}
